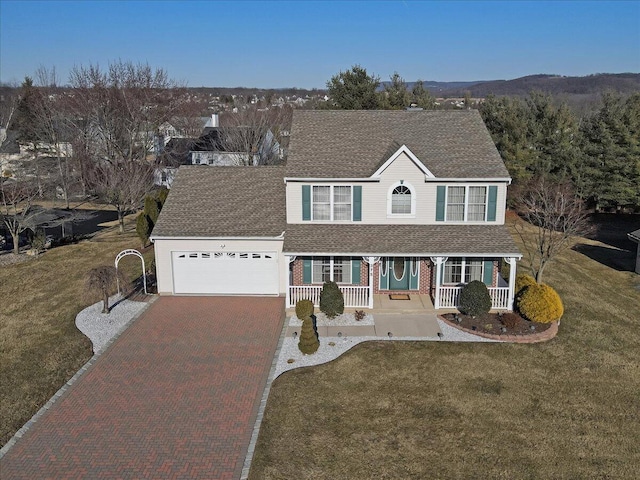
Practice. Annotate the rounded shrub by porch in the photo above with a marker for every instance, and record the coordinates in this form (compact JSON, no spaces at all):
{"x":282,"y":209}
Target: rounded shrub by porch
{"x":304,"y":308}
{"x":540,"y":303}
{"x":331,"y":300}
{"x":523,"y":280}
{"x":475,"y":299}
{"x":309,"y":342}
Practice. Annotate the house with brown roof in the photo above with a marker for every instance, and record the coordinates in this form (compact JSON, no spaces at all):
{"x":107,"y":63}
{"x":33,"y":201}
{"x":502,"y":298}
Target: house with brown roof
{"x":379,"y":202}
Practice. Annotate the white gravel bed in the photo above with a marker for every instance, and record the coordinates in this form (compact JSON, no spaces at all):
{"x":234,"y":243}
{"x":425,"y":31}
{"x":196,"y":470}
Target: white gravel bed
{"x":342,"y":320}
{"x":102,"y":327}
{"x":332,"y":347}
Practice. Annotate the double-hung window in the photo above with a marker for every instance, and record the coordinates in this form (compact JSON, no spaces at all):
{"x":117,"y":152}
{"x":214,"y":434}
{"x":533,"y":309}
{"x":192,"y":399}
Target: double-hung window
{"x":335,"y":269}
{"x":462,"y":270}
{"x":466,"y":203}
{"x":331,"y":202}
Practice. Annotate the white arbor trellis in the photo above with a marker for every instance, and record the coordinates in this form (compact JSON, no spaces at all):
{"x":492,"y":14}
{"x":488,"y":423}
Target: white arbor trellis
{"x":131,"y":251}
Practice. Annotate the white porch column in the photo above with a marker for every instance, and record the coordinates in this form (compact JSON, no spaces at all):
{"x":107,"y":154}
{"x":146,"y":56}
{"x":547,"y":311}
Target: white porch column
{"x":371,"y":261}
{"x":290,"y":259}
{"x":512,"y":280}
{"x":438,"y":261}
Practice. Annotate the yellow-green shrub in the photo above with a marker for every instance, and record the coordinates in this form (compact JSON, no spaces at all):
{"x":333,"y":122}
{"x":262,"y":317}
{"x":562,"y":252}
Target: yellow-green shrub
{"x":523,"y":280}
{"x":540,"y":303}
{"x":304,"y":308}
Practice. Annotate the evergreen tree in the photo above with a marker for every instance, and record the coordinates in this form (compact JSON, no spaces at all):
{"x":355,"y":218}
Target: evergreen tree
{"x":396,"y":94}
{"x":422,"y":97}
{"x":354,"y":89}
{"x":612,"y":147}
{"x":309,"y":342}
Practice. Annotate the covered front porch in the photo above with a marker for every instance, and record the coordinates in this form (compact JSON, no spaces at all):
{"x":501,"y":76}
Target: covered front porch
{"x":399,"y":283}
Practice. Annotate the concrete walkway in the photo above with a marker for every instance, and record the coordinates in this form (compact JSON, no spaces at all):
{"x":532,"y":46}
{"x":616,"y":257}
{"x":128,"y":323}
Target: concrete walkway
{"x":175,"y":396}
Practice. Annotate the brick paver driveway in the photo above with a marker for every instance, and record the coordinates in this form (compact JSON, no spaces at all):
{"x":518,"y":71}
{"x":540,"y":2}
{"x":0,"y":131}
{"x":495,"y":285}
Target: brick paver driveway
{"x":176,"y":396}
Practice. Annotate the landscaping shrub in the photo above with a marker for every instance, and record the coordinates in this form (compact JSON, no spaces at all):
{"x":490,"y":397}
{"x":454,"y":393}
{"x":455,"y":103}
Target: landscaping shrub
{"x":523,"y":280}
{"x":475,"y":299}
{"x":151,"y":209}
{"x":331,"y":300}
{"x":143,"y":229}
{"x":359,"y":315}
{"x":161,"y":195}
{"x":510,"y":320}
{"x":304,"y":308}
{"x":540,"y":303}
{"x":309,"y":342}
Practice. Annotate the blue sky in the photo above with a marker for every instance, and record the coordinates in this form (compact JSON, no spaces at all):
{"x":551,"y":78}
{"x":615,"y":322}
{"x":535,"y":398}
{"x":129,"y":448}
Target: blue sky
{"x":304,"y":43}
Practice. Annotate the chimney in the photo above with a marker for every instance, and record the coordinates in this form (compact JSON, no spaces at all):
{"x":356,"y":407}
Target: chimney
{"x":214,"y":120}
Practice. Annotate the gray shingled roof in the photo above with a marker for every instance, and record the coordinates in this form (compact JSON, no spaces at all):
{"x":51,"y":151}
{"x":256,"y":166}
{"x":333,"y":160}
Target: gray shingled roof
{"x":354,"y":144}
{"x":454,"y":240}
{"x":224,"y":202}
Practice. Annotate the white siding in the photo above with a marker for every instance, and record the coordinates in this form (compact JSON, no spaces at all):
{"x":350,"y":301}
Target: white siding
{"x":164,"y":249}
{"x":375,"y":194}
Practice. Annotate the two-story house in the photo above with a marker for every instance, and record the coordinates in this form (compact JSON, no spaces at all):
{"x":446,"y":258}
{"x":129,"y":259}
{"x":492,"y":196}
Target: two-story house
{"x":377,"y":201}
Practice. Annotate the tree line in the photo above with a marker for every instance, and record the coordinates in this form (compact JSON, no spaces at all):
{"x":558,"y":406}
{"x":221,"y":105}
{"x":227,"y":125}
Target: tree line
{"x":597,"y":154}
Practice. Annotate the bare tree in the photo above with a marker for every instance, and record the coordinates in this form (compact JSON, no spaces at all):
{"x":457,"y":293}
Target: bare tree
{"x":53,"y":125}
{"x":117,"y":113}
{"x":9,"y":99}
{"x":16,"y":195}
{"x":104,"y":280}
{"x":556,"y":214}
{"x":256,"y":135}
{"x":122,"y":185}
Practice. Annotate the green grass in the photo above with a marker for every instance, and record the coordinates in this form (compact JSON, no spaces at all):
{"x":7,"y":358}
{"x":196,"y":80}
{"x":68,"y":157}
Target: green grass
{"x":40,"y":347}
{"x":568,"y":408}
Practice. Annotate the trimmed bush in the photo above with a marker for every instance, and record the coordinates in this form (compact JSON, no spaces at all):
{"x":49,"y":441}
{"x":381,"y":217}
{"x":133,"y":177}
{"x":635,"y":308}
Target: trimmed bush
{"x":510,"y":320}
{"x":309,"y":342}
{"x":540,"y":303}
{"x":143,"y":229}
{"x":475,"y":299}
{"x":151,"y":209}
{"x":331,"y":300}
{"x":523,"y":280}
{"x":161,"y":195}
{"x":304,"y":308}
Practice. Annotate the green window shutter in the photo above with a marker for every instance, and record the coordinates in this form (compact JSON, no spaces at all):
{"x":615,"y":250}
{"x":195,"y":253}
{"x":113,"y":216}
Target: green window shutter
{"x":442,"y":273}
{"x":306,"y":202}
{"x":306,"y":270}
{"x":355,"y":271}
{"x":357,"y":203}
{"x":488,"y":273}
{"x":493,"y":200}
{"x":440,"y":201}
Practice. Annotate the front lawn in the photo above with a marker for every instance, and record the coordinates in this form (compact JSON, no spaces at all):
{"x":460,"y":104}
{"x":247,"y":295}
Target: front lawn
{"x":40,"y":347}
{"x":568,"y":408}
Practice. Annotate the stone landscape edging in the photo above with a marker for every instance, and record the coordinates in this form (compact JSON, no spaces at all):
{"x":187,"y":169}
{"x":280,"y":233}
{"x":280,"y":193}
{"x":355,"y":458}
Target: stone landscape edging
{"x":544,"y":336}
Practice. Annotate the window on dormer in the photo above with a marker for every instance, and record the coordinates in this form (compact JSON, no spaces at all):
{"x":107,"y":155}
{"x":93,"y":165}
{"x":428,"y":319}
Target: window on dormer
{"x":401,"y":200}
{"x":331,"y":202}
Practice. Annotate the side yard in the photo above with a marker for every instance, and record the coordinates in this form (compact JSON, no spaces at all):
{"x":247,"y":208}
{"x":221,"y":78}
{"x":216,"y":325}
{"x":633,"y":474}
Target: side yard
{"x":568,"y":408}
{"x":40,"y":347}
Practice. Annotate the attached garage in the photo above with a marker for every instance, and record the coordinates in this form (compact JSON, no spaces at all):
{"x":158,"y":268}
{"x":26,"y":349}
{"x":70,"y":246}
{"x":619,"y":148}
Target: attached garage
{"x":225,"y":273}
{"x":221,"y":232}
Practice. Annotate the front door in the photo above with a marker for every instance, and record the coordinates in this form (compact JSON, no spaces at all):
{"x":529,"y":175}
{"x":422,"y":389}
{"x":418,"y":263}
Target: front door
{"x":398,"y":273}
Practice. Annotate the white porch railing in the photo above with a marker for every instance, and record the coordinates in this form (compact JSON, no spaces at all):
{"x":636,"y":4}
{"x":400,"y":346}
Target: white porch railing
{"x":450,"y":297}
{"x":354,"y":295}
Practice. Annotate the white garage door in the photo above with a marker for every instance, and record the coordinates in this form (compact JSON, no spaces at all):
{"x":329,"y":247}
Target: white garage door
{"x":240,"y":273}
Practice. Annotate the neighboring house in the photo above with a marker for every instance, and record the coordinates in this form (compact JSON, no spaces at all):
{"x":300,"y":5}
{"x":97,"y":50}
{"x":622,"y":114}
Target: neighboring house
{"x":377,"y":201}
{"x":217,"y":146}
{"x":635,"y":237}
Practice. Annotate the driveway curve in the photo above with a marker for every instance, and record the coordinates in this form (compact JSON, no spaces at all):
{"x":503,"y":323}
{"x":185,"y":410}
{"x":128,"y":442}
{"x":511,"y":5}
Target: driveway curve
{"x":175,"y":396}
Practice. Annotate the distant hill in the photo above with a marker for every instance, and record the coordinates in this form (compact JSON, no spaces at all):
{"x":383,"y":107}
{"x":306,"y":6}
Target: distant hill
{"x":553,"y":84}
{"x":436,"y":88}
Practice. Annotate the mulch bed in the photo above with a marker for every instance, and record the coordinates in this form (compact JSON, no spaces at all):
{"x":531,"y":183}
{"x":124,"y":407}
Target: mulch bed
{"x":493,"y":323}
